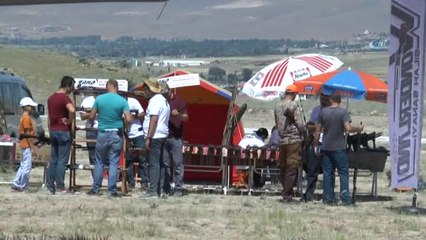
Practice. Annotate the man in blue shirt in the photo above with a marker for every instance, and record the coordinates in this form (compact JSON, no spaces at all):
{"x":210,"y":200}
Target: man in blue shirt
{"x":110,"y":108}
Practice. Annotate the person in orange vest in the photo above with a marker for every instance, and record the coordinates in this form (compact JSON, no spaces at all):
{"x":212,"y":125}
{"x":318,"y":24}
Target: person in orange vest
{"x":27,"y":129}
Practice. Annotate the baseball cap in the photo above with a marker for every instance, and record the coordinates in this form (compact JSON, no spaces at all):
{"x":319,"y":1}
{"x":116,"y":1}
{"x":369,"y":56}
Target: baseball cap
{"x":291,"y":89}
{"x":262,"y":132}
{"x":27,"y":101}
{"x":133,"y":103}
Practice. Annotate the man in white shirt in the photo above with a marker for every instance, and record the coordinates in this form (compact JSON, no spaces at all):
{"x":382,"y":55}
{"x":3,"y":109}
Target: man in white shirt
{"x":91,"y":128}
{"x":137,"y":140}
{"x":255,"y":140}
{"x":156,"y":130}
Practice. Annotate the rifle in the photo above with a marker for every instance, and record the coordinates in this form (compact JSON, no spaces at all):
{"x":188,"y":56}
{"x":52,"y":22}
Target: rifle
{"x":81,"y":109}
{"x":135,"y":113}
{"x":40,"y":139}
{"x":353,"y":200}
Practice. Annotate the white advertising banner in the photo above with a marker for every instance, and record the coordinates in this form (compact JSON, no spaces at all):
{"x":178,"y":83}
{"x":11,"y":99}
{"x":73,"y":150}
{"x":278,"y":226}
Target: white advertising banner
{"x":406,"y":84}
{"x":99,"y":83}
{"x":178,"y":81}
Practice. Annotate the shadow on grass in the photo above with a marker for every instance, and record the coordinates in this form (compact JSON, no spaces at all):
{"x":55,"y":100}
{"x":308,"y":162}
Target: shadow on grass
{"x":75,"y":236}
{"x":370,"y":198}
{"x":359,"y":198}
{"x":409,"y":210}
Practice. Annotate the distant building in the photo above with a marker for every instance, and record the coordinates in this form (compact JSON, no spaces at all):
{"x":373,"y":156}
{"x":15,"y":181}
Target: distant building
{"x":183,"y":63}
{"x":136,"y":63}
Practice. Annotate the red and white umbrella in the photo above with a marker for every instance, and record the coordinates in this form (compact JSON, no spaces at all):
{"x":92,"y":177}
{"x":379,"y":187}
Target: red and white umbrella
{"x":271,"y":81}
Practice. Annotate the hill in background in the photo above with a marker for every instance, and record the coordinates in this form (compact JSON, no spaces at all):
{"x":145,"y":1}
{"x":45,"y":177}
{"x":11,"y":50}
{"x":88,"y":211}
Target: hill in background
{"x":220,"y":19}
{"x":43,"y":70}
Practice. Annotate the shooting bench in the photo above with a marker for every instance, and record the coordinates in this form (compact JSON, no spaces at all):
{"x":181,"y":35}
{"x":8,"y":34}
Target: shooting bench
{"x":228,"y":168}
{"x":365,"y":160}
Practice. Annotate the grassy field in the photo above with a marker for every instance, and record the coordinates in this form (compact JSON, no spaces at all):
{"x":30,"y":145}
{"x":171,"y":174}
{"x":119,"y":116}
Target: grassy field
{"x":36,"y":215}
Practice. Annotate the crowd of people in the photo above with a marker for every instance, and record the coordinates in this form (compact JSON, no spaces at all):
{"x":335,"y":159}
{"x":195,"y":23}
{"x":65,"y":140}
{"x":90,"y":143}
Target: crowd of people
{"x":323,"y":138}
{"x":158,"y":133}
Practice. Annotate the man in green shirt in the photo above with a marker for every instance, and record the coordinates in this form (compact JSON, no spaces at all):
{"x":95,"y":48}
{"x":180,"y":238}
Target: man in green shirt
{"x":110,"y":108}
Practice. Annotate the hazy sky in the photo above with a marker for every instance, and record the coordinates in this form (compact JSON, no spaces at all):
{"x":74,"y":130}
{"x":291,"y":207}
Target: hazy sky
{"x":204,"y":19}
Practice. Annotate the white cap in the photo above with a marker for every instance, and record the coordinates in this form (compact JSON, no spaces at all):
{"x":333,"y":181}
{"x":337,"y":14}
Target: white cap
{"x":134,"y":104}
{"x":27,"y":101}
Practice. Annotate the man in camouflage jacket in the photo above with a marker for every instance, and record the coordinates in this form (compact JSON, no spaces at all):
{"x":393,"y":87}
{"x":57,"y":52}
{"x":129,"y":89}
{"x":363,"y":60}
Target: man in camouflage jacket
{"x":288,"y":118}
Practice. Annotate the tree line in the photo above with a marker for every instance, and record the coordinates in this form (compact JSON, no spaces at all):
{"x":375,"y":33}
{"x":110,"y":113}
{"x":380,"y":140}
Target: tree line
{"x":126,"y":46}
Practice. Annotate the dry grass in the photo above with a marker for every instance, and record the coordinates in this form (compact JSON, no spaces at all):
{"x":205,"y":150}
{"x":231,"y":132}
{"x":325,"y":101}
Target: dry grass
{"x":36,"y":215}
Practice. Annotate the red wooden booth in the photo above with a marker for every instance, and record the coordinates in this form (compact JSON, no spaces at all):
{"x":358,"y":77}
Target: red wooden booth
{"x":207,"y":107}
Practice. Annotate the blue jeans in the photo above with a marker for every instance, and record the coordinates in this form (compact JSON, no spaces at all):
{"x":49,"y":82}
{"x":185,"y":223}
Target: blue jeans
{"x":22,"y":177}
{"x":330,"y":161}
{"x":157,"y":166}
{"x":108,"y":149}
{"x":314,"y":169}
{"x":137,"y":142}
{"x":60,"y":145}
{"x":173,"y":151}
{"x":91,"y":147}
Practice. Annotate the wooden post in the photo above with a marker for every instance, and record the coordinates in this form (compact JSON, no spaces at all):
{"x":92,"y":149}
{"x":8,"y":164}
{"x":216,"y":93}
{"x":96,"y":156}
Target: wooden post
{"x":230,"y":120}
{"x":231,"y":123}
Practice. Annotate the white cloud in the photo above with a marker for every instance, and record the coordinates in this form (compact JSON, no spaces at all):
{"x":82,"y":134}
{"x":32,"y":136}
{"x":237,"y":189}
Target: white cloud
{"x":36,"y":12}
{"x":250,"y":19}
{"x":129,"y":13}
{"x":28,"y":12}
{"x":238,"y":4}
{"x":235,"y":4}
{"x":205,"y":12}
{"x":50,"y":13}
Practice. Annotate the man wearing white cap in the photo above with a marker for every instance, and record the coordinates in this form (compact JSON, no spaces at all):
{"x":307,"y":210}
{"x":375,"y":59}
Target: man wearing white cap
{"x":27,"y":128}
{"x":137,"y":140}
{"x":91,"y":127}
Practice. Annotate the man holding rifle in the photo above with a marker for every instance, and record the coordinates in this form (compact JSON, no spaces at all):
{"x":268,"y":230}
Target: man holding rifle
{"x":290,"y":128}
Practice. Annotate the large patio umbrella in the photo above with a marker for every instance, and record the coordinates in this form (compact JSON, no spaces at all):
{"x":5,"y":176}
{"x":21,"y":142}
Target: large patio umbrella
{"x":268,"y":83}
{"x":348,"y":83}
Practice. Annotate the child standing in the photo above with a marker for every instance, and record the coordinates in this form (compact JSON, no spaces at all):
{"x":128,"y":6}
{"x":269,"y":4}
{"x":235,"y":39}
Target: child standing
{"x":27,"y":128}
